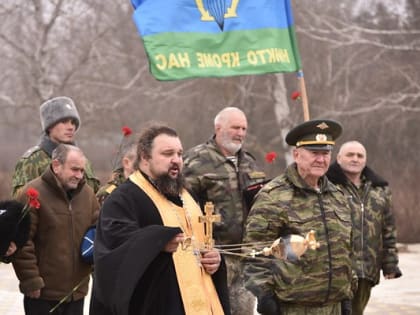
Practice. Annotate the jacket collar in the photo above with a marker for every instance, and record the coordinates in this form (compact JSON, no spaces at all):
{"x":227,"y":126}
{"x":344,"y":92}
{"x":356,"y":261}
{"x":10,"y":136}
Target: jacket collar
{"x":337,"y":176}
{"x":293,"y":176}
{"x":51,"y":179}
{"x":47,"y":144}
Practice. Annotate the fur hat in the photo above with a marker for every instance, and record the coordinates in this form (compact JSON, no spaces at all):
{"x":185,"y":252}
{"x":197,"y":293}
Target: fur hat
{"x":56,"y":109}
{"x":10,"y":227}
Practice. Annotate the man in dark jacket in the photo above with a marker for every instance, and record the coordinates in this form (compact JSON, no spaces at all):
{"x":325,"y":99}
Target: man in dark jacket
{"x":49,"y":266}
{"x":374,"y":232}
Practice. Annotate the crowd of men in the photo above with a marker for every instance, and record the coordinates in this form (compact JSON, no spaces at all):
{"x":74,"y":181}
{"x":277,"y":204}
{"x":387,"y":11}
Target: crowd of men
{"x":157,"y":251}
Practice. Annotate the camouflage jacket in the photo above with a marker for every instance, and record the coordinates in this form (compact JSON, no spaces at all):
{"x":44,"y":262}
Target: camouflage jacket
{"x":35,"y":161}
{"x":212,"y":177}
{"x":287,"y":205}
{"x":374,"y":231}
{"x":117,"y":178}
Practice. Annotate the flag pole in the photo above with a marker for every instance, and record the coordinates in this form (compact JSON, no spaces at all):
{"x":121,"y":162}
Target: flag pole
{"x":305,"y":105}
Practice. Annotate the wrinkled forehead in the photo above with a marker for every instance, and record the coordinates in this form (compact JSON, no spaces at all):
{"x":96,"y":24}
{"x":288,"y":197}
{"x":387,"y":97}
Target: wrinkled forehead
{"x":353,"y":148}
{"x":75,"y":159}
{"x":166,"y":142}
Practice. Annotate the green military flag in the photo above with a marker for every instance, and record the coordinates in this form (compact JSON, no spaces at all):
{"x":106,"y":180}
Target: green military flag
{"x":217,"y":38}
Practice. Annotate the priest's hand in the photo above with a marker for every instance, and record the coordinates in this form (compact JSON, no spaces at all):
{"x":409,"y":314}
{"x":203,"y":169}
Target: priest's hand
{"x":173,"y":244}
{"x":210,"y":261}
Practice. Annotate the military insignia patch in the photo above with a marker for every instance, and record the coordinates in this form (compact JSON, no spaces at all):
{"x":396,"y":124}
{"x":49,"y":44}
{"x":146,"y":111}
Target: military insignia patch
{"x":323,"y":126}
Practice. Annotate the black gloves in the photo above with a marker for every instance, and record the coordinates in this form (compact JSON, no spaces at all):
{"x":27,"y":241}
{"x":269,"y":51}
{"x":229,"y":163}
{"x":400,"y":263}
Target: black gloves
{"x":267,"y":305}
{"x":346,"y":307}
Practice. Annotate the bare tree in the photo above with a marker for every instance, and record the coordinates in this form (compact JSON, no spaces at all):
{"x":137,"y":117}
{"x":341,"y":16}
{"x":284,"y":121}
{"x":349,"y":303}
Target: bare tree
{"x":364,"y":73}
{"x":360,"y":58}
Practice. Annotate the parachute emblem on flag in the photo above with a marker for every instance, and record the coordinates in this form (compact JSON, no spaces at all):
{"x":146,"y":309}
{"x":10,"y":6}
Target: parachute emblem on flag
{"x":217,"y":10}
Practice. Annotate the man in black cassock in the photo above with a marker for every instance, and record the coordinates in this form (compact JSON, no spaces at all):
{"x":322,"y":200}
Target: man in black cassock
{"x":150,"y":256}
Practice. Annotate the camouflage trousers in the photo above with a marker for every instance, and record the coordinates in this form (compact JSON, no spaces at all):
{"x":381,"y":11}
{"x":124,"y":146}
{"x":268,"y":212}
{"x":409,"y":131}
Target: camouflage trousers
{"x":334,"y":309}
{"x":242,"y":302}
{"x":361,"y":297}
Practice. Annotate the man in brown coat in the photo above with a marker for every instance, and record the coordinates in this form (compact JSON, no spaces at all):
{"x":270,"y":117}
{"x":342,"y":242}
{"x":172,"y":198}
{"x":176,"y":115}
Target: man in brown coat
{"x":49,"y":266}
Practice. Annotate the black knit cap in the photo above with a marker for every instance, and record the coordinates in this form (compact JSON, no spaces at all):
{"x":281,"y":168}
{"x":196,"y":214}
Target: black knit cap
{"x":10,"y":227}
{"x":315,"y":135}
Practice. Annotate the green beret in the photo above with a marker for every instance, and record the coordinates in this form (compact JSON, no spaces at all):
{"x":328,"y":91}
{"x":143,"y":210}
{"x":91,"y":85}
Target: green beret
{"x":317,"y":134}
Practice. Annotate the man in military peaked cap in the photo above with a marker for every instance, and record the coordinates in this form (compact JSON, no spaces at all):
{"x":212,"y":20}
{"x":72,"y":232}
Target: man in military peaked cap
{"x":299,"y":200}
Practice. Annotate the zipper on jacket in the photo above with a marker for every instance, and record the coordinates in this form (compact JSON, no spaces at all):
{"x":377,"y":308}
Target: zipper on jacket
{"x":362,"y":236}
{"x":72,"y":238}
{"x":327,"y":236}
{"x":362,"y":228}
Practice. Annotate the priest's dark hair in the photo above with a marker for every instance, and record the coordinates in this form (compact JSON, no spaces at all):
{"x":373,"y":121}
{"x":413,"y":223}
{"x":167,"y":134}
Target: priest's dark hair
{"x":146,"y":137}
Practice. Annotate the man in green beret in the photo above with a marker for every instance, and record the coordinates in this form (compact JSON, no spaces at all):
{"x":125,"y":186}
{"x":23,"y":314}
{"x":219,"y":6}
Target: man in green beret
{"x":296,"y":202}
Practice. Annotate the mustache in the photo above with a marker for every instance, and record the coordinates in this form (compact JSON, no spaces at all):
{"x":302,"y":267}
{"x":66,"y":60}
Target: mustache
{"x":174,"y":167}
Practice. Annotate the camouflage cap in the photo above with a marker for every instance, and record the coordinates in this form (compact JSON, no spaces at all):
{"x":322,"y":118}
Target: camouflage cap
{"x":315,"y":134}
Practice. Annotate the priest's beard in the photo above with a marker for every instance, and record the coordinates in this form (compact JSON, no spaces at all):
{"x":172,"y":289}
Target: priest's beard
{"x":168,"y":185}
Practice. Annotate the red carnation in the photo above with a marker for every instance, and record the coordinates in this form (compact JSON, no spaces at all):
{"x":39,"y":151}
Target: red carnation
{"x":270,"y":157}
{"x":32,"y":193}
{"x":295,"y":95}
{"x":126,"y":131}
{"x":32,"y":202}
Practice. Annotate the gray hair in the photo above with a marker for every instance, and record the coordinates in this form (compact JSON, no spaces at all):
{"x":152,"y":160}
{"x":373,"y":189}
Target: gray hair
{"x":224,"y":114}
{"x":61,"y":152}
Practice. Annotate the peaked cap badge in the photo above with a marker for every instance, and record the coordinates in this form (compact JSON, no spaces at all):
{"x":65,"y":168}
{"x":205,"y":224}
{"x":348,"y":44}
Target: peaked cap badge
{"x":321,"y":137}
